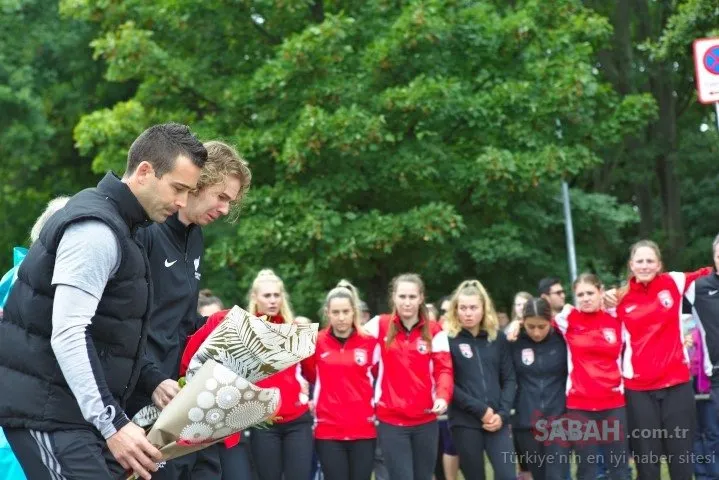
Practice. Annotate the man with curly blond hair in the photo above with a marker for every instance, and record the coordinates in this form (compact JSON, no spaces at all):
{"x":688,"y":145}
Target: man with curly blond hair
{"x":175,"y":251}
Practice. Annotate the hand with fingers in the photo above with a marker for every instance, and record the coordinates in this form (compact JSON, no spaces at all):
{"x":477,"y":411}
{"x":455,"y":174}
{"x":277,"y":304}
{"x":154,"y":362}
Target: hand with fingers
{"x":494,"y":424}
{"x":165,"y":392}
{"x":133,"y":451}
{"x":512,"y":330}
{"x":440,"y":406}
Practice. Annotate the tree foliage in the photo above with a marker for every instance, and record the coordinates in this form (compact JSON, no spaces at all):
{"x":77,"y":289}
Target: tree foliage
{"x":425,"y":136}
{"x":384,"y":136}
{"x":47,"y":82}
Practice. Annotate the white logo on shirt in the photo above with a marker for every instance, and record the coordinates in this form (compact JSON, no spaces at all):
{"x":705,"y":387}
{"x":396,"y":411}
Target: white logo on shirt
{"x":630,"y":308}
{"x":527,"y":356}
{"x":609,"y":335}
{"x":168,"y":264}
{"x":324,"y":354}
{"x":198,"y":275}
{"x":665,"y":298}
{"x":360,"y":357}
{"x":713,"y":292}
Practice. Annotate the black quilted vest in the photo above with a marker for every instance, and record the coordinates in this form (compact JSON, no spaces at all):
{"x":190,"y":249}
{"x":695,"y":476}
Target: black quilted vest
{"x":33,"y":391}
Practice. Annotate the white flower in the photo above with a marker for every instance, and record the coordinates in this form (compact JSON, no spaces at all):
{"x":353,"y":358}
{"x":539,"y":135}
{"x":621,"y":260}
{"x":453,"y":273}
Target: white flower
{"x":196,"y":432}
{"x":227,"y":397}
{"x":206,"y":400}
{"x":241,"y":383}
{"x":245,"y":415}
{"x":196,"y":414}
{"x":224,"y":375}
{"x":215,"y":416}
{"x":211,"y":384}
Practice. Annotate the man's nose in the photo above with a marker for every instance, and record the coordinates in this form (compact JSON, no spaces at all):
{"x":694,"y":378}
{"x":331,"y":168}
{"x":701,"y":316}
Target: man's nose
{"x":181,"y":200}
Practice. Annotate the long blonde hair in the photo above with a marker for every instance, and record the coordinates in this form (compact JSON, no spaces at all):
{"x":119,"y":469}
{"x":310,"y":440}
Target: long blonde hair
{"x":489,"y":322}
{"x":342,"y":291}
{"x":423,"y":314}
{"x":267,"y":275}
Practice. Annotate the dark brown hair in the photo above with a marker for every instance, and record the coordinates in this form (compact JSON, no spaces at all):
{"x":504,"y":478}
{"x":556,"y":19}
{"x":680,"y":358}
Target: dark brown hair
{"x":160,"y":145}
{"x":537,"y":307}
{"x":423,"y":314}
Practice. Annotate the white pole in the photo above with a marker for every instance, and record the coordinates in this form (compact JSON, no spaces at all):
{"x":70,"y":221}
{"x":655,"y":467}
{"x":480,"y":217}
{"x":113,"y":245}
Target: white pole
{"x":569,"y":230}
{"x":716,"y":108}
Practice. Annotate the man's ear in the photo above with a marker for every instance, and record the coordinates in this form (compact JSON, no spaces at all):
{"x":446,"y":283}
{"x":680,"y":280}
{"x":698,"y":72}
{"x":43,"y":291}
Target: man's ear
{"x":144,"y":171}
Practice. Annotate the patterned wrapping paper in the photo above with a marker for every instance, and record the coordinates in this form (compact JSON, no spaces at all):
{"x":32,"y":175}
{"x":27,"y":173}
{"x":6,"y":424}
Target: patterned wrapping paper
{"x":254,"y":348}
{"x":215,"y":404}
{"x":219,"y":398}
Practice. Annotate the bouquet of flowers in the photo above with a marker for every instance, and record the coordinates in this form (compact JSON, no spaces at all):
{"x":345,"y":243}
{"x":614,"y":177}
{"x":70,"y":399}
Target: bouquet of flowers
{"x":219,"y":398}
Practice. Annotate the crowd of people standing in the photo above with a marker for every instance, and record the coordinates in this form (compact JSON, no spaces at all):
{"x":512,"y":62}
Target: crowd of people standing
{"x":105,"y":311}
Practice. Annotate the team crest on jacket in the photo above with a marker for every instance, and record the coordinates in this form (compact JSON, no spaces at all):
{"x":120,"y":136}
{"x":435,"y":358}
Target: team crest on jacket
{"x":610,"y":335}
{"x":527,"y":356}
{"x":465,"y":350}
{"x":422,"y":346}
{"x":665,"y":298}
{"x":360,"y":357}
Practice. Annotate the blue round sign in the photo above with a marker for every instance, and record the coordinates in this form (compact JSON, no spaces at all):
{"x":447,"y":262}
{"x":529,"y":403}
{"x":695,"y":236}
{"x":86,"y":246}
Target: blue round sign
{"x":711,"y":60}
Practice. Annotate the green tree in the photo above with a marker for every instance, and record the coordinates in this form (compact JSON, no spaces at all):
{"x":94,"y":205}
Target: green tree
{"x":47,"y":81}
{"x":425,"y":136}
{"x":657,"y":168}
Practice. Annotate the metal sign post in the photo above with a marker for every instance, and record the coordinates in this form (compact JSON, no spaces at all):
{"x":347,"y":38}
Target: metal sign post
{"x":568,"y":227}
{"x":569,"y":231}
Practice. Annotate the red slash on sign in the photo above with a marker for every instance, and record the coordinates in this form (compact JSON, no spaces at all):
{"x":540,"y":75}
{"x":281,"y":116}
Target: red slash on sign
{"x":711,"y":60}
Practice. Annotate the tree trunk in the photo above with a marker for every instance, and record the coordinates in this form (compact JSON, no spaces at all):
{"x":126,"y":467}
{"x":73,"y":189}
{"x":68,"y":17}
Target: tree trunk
{"x":664,"y":136}
{"x":317,"y":11}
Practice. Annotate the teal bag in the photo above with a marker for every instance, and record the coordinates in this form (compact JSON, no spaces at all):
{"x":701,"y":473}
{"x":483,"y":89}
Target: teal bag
{"x":10,"y":469}
{"x":8,"y":280}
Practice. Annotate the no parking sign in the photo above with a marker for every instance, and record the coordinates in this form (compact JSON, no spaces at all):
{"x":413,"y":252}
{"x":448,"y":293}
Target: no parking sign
{"x":706,"y":66}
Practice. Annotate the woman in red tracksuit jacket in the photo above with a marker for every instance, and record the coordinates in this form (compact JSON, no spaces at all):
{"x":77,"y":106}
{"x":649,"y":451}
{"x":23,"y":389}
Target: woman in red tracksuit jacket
{"x":414,"y":383}
{"x":595,"y":391}
{"x":656,"y":365}
{"x":285,"y":448}
{"x":341,"y":371}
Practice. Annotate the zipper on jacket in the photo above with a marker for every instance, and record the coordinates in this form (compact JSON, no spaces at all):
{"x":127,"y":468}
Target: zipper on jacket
{"x":481,"y":370}
{"x":541,"y":382}
{"x":187,"y":272}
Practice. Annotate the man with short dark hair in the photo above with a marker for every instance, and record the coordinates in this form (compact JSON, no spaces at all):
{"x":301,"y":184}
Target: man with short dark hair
{"x":552,"y":291}
{"x":73,"y":334}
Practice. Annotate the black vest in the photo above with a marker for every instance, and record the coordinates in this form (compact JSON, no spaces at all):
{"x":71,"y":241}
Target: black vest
{"x":33,"y":391}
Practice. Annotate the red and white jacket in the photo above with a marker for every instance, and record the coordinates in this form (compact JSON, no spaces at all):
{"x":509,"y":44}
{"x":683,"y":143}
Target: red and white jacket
{"x":412,"y":372}
{"x":594,"y":347}
{"x":655,"y":356}
{"x":293,"y":403}
{"x":343,"y":386}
